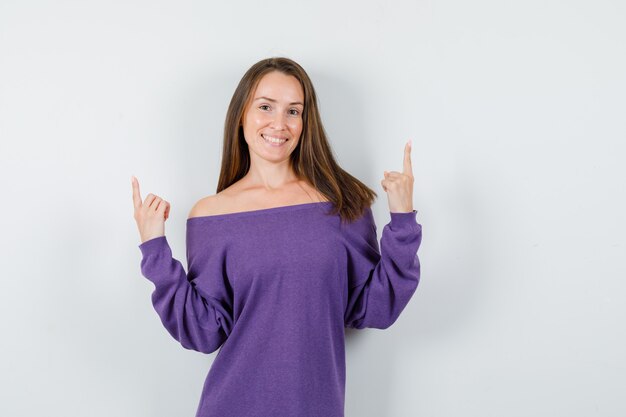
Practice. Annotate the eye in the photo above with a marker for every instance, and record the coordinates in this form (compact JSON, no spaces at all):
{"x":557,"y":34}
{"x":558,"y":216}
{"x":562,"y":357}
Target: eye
{"x":263,"y":105}
{"x":296,"y":112}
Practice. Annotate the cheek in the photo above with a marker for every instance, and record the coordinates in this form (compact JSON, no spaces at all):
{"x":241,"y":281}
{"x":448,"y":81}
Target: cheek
{"x":255,"y":120}
{"x":296,"y":126}
{"x":260,"y":118}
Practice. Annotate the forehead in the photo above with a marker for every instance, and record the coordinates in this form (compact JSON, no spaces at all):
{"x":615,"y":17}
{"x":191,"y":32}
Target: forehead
{"x":279,"y":86}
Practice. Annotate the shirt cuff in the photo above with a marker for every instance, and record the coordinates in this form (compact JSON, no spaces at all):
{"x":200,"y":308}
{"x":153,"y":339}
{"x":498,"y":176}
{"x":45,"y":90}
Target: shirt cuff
{"x":155,"y":244}
{"x":404,"y":219}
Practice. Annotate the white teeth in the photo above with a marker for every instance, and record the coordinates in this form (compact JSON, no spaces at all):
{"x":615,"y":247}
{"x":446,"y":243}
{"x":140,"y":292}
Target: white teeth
{"x":273,"y":140}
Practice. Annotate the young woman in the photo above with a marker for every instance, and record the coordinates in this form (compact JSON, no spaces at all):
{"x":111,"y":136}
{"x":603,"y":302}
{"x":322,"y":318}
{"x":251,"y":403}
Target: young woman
{"x":282,"y":258}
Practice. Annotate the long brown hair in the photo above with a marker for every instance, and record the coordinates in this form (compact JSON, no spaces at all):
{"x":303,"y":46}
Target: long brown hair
{"x":312,"y":159}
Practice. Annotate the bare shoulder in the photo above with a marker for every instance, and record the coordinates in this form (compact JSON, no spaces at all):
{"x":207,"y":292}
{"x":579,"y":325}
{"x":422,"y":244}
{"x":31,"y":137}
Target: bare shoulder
{"x":239,"y":197}
{"x":206,"y":206}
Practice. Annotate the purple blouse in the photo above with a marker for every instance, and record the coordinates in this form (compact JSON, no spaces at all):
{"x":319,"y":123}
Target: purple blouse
{"x":275,"y":288}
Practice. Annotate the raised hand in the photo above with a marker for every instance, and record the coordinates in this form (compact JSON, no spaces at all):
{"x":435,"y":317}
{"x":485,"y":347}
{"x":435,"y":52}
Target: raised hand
{"x":399,"y":185}
{"x":149,"y":215}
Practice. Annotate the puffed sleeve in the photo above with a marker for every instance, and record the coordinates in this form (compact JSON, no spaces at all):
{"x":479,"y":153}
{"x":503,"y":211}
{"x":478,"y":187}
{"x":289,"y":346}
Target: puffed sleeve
{"x":381,"y":282}
{"x":195,"y":308}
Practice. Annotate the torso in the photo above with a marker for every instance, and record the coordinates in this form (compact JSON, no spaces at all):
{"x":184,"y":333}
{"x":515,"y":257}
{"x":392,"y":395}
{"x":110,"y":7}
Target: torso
{"x":241,"y":197}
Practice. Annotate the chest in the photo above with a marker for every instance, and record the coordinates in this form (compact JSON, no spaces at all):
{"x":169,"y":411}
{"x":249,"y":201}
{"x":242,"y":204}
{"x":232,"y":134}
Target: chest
{"x":296,"y":257}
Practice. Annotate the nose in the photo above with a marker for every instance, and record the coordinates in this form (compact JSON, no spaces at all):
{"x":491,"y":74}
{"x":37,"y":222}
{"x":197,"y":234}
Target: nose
{"x":278,"y":121}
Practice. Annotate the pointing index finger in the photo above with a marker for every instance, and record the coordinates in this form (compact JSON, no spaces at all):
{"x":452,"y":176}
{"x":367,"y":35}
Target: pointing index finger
{"x":136,"y":194}
{"x":408,"y":168}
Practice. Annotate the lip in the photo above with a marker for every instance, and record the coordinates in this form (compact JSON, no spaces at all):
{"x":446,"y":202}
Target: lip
{"x":272,"y":144}
{"x":274,"y":136}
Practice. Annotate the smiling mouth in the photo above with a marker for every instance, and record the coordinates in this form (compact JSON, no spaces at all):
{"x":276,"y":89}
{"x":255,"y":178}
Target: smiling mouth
{"x":273,"y":140}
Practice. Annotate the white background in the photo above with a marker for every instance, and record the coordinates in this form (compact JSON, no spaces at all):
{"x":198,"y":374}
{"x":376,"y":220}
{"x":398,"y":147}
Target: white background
{"x":516,"y":110}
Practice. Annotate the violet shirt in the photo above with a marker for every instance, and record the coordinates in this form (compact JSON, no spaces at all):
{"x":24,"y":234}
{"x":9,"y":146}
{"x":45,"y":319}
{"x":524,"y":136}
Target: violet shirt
{"x":275,"y":288}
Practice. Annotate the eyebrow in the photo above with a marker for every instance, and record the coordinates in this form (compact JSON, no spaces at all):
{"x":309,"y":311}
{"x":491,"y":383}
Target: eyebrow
{"x":274,"y":101}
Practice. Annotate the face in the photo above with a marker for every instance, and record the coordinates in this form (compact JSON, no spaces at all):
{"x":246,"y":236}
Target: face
{"x":272,"y":122}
